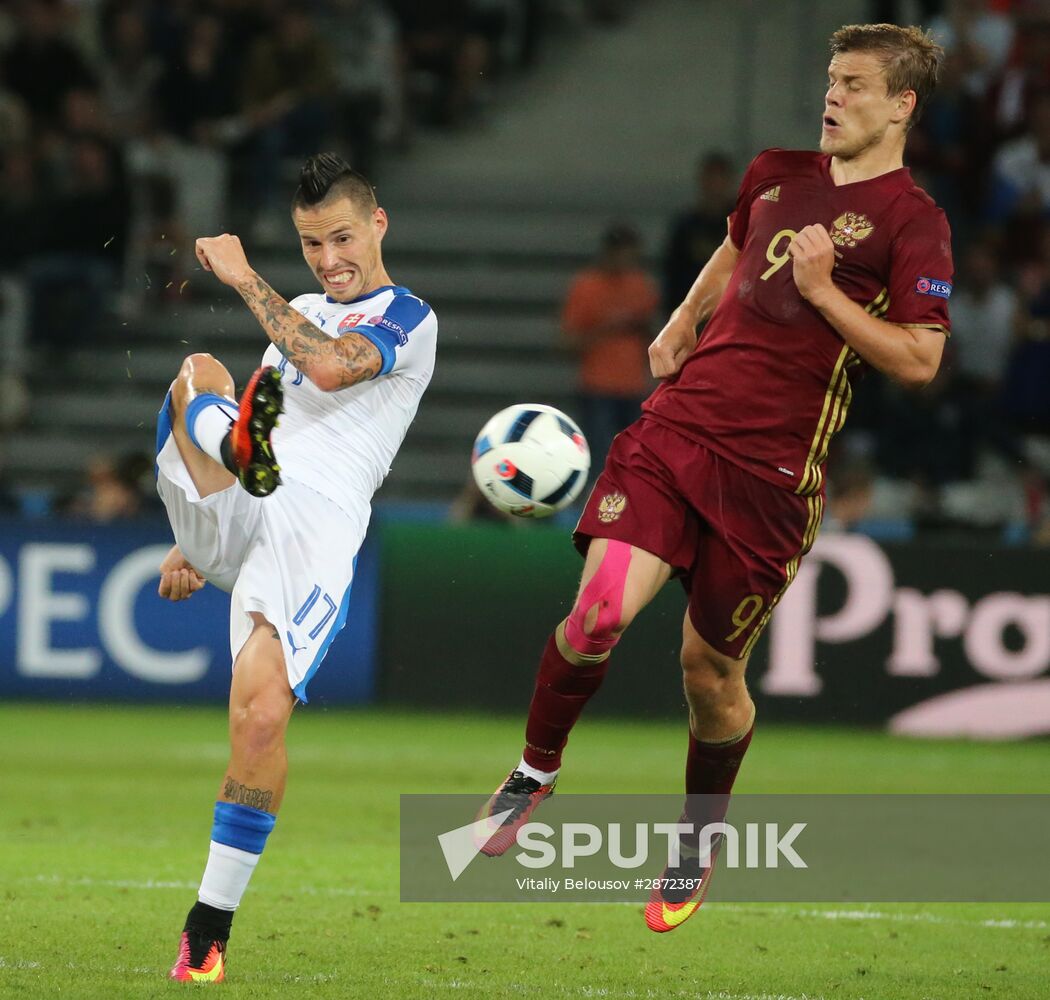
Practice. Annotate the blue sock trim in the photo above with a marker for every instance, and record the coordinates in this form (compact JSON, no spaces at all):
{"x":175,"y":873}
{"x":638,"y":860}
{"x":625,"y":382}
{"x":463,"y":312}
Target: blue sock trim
{"x":197,"y":404}
{"x":241,"y":826}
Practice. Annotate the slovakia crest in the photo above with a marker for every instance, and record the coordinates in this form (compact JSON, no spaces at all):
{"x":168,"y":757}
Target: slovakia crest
{"x":349,"y":321}
{"x":850,"y":228}
{"x":610,"y":507}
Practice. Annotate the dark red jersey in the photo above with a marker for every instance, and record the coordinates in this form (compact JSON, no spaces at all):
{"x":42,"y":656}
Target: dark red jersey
{"x":768,"y":384}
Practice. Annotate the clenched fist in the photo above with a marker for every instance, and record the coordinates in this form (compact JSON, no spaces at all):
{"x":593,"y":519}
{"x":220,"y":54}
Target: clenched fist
{"x":225,"y":256}
{"x":813,"y":258}
{"x":178,"y":579}
{"x":672,"y":346}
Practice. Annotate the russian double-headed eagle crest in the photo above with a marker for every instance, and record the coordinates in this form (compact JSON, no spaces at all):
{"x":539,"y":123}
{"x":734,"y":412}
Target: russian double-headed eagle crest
{"x":611,"y":507}
{"x":850,"y":228}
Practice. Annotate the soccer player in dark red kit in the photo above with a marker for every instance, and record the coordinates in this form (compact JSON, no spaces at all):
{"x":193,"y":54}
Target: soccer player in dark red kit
{"x":834,"y":261}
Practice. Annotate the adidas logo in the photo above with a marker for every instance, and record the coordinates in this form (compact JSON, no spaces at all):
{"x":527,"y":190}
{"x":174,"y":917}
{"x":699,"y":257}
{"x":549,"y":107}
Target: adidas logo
{"x":773,"y":194}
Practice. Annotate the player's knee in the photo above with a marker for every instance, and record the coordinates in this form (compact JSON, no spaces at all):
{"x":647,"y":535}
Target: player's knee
{"x":258,"y":725}
{"x":593,"y":629}
{"x":602,"y":611}
{"x":197,"y":371}
{"x":592,"y":623}
{"x":711,"y":677}
{"x":194,"y":365}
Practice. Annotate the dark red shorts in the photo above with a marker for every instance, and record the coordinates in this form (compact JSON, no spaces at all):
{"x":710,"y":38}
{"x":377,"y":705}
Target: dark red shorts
{"x":735,"y":540}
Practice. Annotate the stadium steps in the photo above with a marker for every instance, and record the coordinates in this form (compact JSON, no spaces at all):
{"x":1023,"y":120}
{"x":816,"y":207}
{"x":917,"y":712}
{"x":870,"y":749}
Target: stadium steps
{"x":43,"y":454}
{"x":495,"y":233}
{"x":427,"y":472}
{"x":455,"y":379}
{"x":529,"y":344}
{"x":457,"y":281}
{"x":538,"y":235}
{"x":83,"y":411}
{"x":154,"y":361}
{"x":475,"y":325}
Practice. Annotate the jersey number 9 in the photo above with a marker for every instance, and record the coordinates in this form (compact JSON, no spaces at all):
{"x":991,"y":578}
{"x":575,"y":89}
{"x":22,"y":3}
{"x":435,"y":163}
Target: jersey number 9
{"x":777,"y":259}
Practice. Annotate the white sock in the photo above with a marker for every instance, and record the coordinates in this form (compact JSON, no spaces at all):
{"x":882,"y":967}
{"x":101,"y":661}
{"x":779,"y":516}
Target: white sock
{"x":543,"y":777}
{"x":208,"y":420}
{"x":226,"y":876}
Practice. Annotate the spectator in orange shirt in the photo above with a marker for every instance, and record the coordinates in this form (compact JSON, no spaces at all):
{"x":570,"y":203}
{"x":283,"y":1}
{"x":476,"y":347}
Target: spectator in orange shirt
{"x":609,"y":317}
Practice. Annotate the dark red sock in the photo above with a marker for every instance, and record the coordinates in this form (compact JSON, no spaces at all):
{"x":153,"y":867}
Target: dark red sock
{"x":711,"y":769}
{"x":562,"y":689}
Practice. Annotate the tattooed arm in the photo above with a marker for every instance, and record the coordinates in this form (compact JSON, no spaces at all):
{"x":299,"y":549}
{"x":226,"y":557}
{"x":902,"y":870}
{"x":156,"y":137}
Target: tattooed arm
{"x":331,"y":363}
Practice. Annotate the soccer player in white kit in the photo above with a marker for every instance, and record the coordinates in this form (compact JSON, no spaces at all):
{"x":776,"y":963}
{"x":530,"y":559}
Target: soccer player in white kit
{"x":348,"y":366}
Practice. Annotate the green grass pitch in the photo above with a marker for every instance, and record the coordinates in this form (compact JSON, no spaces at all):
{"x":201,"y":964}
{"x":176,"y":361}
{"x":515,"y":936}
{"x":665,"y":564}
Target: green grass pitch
{"x":104,"y":820}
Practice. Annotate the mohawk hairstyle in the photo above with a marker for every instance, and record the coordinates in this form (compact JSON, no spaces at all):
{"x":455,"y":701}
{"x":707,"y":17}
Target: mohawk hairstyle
{"x":328,"y":175}
{"x":910,"y":57}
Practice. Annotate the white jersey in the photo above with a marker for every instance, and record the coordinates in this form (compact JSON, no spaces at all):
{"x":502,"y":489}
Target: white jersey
{"x":341,"y":443}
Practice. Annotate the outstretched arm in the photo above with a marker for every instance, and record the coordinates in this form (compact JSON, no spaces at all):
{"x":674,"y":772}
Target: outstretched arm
{"x":677,"y":339}
{"x":908,"y":355}
{"x":329,"y":362}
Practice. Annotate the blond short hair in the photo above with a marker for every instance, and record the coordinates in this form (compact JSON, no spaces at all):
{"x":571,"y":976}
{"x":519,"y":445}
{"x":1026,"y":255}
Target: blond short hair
{"x":910,"y":58}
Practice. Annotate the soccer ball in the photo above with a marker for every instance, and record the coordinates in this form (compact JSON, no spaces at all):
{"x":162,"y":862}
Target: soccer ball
{"x":530,"y":460}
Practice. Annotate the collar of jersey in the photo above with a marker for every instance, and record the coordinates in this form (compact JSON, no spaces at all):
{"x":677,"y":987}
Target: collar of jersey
{"x":899,"y":175}
{"x":361,"y":298}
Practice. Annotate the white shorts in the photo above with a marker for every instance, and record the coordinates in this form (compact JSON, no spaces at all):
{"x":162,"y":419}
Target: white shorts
{"x":289,"y":556}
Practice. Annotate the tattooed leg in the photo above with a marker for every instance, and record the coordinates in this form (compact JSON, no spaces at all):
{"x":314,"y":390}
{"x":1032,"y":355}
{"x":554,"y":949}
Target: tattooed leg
{"x":260,"y":707}
{"x":249,"y":798}
{"x":257,"y":798}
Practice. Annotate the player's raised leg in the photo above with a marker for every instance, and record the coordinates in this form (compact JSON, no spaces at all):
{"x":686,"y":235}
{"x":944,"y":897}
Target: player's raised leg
{"x":721,"y":721}
{"x":618,"y":581}
{"x":250,"y":795}
{"x":219,"y":438}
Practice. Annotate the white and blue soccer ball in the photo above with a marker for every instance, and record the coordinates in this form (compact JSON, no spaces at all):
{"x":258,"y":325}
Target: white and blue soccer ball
{"x":530,"y":460}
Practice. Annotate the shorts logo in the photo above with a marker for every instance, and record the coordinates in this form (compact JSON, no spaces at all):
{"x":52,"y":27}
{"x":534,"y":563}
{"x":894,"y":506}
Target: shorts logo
{"x":611,"y":507}
{"x":850,"y":228}
{"x":388,"y":324}
{"x":931,"y":286}
{"x":349,"y":321}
